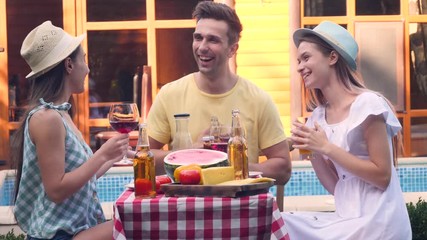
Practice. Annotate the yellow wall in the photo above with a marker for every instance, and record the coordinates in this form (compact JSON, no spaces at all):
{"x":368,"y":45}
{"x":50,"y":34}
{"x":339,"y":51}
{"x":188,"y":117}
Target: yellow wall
{"x":263,"y":55}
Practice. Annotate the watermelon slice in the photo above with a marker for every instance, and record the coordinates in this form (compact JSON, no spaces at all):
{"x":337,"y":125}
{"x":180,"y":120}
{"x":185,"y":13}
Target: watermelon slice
{"x":205,"y":158}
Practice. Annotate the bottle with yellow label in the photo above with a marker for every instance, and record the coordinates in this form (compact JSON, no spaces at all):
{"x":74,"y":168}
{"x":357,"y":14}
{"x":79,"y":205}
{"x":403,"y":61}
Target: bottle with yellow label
{"x":143,"y":166}
{"x":237,"y":148}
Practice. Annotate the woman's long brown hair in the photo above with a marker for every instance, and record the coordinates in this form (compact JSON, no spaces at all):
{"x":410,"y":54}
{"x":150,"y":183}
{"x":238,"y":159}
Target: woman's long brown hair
{"x":50,"y":87}
{"x":352,"y":82}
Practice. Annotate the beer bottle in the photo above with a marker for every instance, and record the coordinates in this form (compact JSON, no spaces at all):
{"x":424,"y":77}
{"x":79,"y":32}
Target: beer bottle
{"x":182,"y":138}
{"x":143,"y":166}
{"x":237,"y":148}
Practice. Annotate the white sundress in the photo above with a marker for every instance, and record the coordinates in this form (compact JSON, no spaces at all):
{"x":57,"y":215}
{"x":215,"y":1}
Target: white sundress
{"x":362,"y":210}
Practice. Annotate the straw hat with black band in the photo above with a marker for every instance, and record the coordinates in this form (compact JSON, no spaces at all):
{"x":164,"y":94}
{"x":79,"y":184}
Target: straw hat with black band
{"x":336,"y":36}
{"x":46,"y":46}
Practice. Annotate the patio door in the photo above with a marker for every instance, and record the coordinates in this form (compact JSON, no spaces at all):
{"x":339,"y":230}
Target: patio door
{"x":17,"y":19}
{"x":122,"y":37}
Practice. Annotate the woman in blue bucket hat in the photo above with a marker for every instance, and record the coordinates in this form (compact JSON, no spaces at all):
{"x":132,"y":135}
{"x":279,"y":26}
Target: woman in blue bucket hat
{"x":350,"y":134}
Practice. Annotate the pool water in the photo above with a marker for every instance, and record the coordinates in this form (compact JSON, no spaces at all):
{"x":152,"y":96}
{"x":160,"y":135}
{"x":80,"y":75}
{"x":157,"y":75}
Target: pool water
{"x":302,"y":183}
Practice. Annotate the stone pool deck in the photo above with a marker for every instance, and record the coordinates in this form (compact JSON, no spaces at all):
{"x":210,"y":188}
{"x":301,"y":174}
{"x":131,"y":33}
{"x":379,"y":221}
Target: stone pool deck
{"x":291,"y":203}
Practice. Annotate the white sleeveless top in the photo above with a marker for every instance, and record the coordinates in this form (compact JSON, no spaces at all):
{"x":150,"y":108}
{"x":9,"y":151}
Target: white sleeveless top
{"x":35,"y":213}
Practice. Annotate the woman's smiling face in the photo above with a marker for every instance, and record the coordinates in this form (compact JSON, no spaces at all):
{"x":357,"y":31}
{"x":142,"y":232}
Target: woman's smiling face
{"x":313,"y":66}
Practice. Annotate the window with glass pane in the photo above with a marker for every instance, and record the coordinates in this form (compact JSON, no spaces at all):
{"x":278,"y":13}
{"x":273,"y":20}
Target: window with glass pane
{"x":313,"y":26}
{"x":400,"y":149}
{"x":377,"y":7}
{"x":418,"y":64}
{"x":324,"y":8}
{"x":173,"y":9}
{"x":20,"y":21}
{"x":116,"y":10}
{"x":96,"y":140}
{"x":419,"y":137}
{"x":174,"y":54}
{"x":381,"y":60}
{"x":114,"y":57}
{"x":417,"y":7}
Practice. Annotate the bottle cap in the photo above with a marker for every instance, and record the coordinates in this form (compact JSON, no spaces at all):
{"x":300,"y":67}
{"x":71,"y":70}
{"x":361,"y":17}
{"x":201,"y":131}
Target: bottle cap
{"x":207,"y":138}
{"x":181,"y":115}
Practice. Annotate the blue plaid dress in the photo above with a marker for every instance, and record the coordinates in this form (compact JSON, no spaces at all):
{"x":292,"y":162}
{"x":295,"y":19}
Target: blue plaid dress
{"x":35,"y":213}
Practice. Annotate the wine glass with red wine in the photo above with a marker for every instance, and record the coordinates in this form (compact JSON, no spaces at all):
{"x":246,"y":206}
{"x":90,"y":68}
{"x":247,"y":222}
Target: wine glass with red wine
{"x":124,"y":117}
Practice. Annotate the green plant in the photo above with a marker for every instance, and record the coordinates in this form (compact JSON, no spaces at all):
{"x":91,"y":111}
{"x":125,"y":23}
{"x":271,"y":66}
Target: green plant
{"x":418,"y":217}
{"x":11,"y":236}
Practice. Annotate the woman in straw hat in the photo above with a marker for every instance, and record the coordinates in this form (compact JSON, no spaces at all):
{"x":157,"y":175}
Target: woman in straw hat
{"x":56,"y":170}
{"x":350,"y":133}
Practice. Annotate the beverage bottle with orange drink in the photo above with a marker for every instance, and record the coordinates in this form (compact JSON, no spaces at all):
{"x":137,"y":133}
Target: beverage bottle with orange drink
{"x":143,"y":166}
{"x":238,"y":148}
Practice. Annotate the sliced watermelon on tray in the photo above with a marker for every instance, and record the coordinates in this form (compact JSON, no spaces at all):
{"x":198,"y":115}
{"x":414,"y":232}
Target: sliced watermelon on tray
{"x":205,"y":158}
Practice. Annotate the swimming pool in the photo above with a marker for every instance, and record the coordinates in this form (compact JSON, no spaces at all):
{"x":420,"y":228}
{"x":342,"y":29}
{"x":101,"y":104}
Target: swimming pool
{"x":412,"y":174}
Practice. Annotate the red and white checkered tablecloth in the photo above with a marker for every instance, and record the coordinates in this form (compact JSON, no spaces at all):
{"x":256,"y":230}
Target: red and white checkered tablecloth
{"x":251,"y":217}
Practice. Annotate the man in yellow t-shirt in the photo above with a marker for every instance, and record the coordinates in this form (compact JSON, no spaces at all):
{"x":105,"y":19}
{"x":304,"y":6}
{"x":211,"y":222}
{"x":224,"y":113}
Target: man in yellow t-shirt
{"x":214,"y":91}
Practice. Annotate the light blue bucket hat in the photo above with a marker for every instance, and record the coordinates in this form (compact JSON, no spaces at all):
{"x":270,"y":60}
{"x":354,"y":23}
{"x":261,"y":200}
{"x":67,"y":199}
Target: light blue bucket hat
{"x":336,"y":36}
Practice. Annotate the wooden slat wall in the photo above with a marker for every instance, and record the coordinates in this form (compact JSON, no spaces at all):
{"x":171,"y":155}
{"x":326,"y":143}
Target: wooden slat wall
{"x":263,"y":54}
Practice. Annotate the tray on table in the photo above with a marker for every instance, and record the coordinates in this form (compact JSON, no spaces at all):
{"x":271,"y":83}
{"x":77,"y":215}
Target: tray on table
{"x":179,"y":190}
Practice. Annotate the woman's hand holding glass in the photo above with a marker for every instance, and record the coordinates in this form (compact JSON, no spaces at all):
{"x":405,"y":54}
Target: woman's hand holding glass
{"x":301,"y":139}
{"x":115,"y":148}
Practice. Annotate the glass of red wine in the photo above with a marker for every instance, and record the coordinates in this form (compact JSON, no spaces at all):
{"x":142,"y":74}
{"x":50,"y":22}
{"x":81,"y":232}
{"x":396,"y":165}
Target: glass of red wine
{"x":124,"y":117}
{"x":224,"y":135}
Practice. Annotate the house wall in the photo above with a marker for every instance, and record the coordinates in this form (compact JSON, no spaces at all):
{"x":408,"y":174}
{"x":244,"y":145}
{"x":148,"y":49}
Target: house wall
{"x":264,"y":55}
